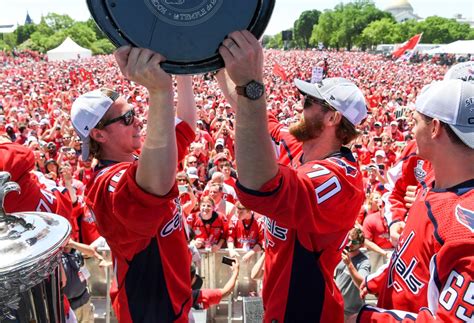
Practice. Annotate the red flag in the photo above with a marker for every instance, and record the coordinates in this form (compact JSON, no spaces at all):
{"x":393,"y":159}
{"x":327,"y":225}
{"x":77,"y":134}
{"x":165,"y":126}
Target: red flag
{"x":278,"y":70}
{"x":408,"y":45}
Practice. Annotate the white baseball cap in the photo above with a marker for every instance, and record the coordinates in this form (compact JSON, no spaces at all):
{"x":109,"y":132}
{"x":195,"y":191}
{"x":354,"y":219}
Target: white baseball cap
{"x":192,"y":172}
{"x":451,"y":101}
{"x":341,"y":94}
{"x":462,"y":71}
{"x":86,"y":112}
{"x":380,"y":153}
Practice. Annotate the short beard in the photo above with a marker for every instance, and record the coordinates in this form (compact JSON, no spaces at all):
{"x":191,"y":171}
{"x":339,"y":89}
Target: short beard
{"x":304,"y":131}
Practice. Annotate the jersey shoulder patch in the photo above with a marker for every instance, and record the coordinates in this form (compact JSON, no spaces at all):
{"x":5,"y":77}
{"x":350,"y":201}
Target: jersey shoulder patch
{"x":465,"y":217}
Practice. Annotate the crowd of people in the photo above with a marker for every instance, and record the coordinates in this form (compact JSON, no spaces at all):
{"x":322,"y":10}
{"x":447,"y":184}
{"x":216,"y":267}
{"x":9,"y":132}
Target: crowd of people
{"x":120,"y":137}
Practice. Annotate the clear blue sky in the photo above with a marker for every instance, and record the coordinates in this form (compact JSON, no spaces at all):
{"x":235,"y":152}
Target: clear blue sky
{"x":285,"y":13}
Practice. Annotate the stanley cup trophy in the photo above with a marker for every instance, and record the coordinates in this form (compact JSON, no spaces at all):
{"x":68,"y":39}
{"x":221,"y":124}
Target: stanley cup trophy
{"x":31,"y":244}
{"x":187,"y":32}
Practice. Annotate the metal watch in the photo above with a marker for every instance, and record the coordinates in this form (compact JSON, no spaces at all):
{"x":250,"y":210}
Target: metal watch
{"x":253,"y":90}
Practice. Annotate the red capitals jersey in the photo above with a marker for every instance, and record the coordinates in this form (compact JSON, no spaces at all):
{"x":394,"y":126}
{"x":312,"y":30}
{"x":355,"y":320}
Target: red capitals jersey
{"x":412,"y":170}
{"x":19,"y":161}
{"x":246,"y":233}
{"x":309,"y":213}
{"x":210,"y":231}
{"x":148,"y":242}
{"x":440,"y":230}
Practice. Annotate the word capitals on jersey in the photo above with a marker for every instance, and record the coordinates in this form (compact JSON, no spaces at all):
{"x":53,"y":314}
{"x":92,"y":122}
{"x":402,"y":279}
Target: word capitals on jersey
{"x":176,"y":223}
{"x":403,"y":269}
{"x":271,"y":228}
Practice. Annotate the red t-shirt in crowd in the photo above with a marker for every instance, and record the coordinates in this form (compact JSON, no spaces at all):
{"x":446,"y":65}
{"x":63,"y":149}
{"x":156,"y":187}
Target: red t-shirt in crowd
{"x":305,"y":236}
{"x":376,"y":230}
{"x":148,"y":242}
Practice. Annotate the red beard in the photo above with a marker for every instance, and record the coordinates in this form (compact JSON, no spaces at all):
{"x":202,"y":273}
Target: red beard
{"x":306,"y":130}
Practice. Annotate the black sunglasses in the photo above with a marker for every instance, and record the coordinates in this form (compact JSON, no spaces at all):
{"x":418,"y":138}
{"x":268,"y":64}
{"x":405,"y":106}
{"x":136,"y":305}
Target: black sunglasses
{"x":309,"y":101}
{"x":127,"y":118}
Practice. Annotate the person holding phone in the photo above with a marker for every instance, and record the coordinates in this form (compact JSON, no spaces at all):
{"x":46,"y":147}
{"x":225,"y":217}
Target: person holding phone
{"x":351,"y":271}
{"x":205,"y":298}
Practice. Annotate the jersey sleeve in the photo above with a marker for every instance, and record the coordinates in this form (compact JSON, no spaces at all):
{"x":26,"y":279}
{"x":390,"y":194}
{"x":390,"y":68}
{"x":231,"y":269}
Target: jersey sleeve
{"x":184,"y":137}
{"x":451,"y":287}
{"x":376,"y":281}
{"x":19,"y":162}
{"x":289,"y":147}
{"x":396,"y":209}
{"x":118,"y":202}
{"x":209,"y":297}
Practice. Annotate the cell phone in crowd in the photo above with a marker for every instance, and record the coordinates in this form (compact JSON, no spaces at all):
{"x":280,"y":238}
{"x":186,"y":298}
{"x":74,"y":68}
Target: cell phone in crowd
{"x":358,"y":146}
{"x":381,"y":166}
{"x":182,"y":188}
{"x":227,"y":260}
{"x":347,"y":248}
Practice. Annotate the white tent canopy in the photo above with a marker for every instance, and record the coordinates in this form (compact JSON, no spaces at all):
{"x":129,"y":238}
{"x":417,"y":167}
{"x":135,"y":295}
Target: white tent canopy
{"x":458,"y":47}
{"x":68,"y":50}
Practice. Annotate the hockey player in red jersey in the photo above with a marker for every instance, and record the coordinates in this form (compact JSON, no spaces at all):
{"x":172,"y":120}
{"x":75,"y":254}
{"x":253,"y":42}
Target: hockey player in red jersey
{"x":410,"y":171}
{"x":133,"y":200}
{"x":432,"y":269}
{"x":309,"y":208}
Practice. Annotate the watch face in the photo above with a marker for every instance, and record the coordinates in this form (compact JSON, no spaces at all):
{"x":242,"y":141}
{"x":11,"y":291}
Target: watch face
{"x":254,"y":90}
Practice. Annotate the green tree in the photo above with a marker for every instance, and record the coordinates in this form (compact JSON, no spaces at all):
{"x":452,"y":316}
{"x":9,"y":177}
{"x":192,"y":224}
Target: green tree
{"x":438,"y":30}
{"x":82,"y":34}
{"x":405,"y":30}
{"x":356,"y":16}
{"x":275,"y":41}
{"x":383,"y":31}
{"x":303,"y":27}
{"x":39,"y":39}
{"x":24,"y":32}
{"x":471,"y":34}
{"x":344,"y":25}
{"x":98,"y":33}
{"x":9,"y":40}
{"x":58,"y":22}
{"x":326,"y":30}
{"x":102,"y":47}
{"x":265,"y":40}
{"x":4,"y":46}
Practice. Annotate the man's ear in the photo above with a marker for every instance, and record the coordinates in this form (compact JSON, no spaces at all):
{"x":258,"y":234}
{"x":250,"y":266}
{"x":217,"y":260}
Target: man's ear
{"x":436,"y":128}
{"x":97,"y":135}
{"x":334,"y":118}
